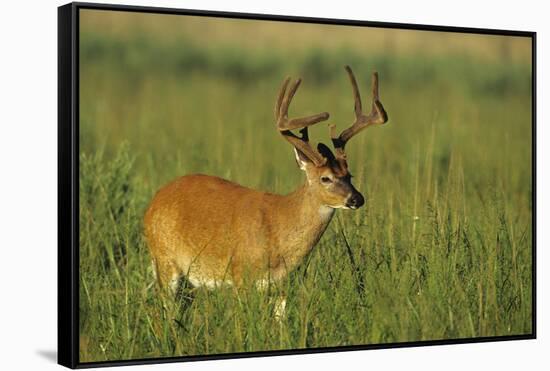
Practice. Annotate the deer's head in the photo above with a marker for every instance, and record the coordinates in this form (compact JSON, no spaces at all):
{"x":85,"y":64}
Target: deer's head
{"x":327,"y":172}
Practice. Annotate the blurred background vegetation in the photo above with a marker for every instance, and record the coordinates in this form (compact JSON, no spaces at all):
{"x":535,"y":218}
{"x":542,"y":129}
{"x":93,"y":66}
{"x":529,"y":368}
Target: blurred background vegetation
{"x":443,"y":244}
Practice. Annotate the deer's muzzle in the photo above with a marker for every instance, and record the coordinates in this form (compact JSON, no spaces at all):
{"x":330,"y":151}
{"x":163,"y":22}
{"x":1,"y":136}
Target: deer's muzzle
{"x":355,"y":201}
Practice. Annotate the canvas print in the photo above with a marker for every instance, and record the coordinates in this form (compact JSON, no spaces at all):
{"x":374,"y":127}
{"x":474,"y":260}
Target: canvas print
{"x":263,"y":185}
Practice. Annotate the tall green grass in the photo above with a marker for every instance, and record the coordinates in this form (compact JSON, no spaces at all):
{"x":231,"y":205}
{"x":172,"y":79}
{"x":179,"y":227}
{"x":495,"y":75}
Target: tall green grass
{"x":441,"y":250}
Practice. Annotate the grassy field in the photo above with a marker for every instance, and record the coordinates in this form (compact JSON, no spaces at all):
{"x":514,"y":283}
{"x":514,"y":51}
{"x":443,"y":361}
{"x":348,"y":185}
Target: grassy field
{"x":442,"y":249}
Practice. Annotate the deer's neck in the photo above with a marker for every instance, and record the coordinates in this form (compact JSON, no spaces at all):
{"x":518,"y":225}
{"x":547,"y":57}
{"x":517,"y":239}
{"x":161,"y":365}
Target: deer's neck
{"x":311,"y":211}
{"x":305,"y":219}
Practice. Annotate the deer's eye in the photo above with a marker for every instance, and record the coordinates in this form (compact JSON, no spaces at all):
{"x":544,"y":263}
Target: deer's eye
{"x":326,"y":180}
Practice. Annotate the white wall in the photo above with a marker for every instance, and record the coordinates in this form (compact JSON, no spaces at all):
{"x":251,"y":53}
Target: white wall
{"x":28,"y":181}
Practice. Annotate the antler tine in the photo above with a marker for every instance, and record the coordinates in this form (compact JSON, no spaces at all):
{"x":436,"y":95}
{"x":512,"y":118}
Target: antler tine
{"x":374,"y":86}
{"x":356,"y":95}
{"x":377,"y":116}
{"x":280,"y":98}
{"x":285,"y":125}
{"x":288,"y":98}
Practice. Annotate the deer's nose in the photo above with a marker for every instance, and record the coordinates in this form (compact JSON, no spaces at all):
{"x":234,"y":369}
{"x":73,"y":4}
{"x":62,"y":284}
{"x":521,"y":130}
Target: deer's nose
{"x":355,"y":201}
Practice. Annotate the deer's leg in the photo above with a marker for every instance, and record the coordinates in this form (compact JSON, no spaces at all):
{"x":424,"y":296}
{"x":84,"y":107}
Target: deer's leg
{"x":168,"y":276}
{"x":279,"y":310}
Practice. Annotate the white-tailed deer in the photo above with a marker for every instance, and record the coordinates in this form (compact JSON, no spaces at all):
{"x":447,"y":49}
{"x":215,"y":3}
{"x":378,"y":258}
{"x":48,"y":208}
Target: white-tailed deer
{"x":215,"y":232}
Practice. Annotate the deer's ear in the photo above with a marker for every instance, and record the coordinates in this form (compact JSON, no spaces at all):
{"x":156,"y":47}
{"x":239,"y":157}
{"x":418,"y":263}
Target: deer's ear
{"x":302,"y":160}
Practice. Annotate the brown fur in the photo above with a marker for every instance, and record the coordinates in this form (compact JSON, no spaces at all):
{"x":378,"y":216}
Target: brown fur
{"x":210,"y":229}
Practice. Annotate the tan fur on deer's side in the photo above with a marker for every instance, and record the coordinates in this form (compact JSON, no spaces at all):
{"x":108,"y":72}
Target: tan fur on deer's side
{"x":213,"y":231}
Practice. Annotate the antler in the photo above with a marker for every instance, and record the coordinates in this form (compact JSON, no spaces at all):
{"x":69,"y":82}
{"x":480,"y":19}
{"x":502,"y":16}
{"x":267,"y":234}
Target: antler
{"x":377,"y":116}
{"x":285,"y":125}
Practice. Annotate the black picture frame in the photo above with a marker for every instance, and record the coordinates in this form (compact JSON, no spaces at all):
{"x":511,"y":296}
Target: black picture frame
{"x":68,"y":180}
